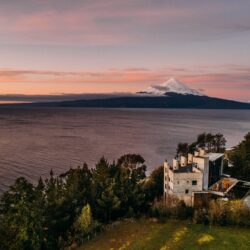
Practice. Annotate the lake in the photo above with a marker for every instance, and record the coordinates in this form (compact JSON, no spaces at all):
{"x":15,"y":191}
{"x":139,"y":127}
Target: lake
{"x":35,"y":140}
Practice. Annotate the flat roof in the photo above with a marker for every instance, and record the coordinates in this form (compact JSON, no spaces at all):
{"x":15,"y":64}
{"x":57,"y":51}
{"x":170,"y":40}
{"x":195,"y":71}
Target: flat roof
{"x":239,"y":190}
{"x":214,"y":156}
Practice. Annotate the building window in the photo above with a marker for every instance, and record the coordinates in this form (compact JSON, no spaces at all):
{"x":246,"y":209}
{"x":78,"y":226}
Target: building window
{"x":186,"y":191}
{"x":194,"y":182}
{"x":187,"y":182}
{"x":178,"y":182}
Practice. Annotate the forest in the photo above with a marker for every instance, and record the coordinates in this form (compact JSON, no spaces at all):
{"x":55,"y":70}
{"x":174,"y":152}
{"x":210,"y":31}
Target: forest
{"x":73,"y":207}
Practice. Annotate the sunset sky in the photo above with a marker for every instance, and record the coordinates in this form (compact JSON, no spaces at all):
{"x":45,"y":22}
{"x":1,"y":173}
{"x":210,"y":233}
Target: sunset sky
{"x":50,"y":47}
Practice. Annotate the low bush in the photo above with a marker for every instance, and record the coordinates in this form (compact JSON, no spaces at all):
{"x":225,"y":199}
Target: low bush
{"x":201,"y":216}
{"x":228,"y":213}
{"x":218,"y":212}
{"x":163,"y":212}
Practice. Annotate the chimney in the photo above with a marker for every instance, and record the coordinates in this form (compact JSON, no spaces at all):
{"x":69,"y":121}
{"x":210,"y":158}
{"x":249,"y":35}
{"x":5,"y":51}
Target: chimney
{"x":175,"y":164}
{"x":183,"y":161}
{"x":202,"y":152}
{"x":166,"y":165}
{"x":190,"y":158}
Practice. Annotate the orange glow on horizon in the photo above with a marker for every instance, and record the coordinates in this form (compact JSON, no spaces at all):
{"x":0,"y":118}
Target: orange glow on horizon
{"x":33,"y":82}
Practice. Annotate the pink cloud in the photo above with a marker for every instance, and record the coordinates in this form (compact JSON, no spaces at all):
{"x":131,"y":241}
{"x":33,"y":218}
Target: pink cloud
{"x":112,"y":22}
{"x":231,"y":85}
{"x":64,"y":27}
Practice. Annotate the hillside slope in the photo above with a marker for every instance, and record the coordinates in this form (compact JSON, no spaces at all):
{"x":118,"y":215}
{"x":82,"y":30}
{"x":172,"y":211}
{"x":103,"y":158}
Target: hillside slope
{"x":147,"y":235}
{"x":170,"y":100}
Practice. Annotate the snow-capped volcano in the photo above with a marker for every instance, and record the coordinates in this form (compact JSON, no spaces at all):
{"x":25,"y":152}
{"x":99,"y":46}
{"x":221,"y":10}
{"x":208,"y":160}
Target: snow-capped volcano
{"x":173,"y":86}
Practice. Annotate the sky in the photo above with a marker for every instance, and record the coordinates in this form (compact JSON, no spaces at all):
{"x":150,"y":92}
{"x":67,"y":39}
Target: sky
{"x":69,"y":48}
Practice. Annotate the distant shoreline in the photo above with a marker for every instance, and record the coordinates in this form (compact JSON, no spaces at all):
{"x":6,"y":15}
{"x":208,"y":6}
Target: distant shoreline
{"x":170,"y":101}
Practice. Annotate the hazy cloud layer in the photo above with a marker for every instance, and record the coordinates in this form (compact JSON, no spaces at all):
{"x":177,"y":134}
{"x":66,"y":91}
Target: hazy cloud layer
{"x":120,"y":22}
{"x":86,"y":46}
{"x":211,"y":80}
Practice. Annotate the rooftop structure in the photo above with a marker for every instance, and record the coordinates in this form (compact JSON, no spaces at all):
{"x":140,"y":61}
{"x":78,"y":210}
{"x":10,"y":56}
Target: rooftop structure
{"x":231,"y":188}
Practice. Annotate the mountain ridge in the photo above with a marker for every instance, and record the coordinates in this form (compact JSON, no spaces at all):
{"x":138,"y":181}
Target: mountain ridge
{"x":170,"y":100}
{"x":170,"y":94}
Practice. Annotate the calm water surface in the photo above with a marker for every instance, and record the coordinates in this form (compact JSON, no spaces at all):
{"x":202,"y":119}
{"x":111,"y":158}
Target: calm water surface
{"x":33,"y":141}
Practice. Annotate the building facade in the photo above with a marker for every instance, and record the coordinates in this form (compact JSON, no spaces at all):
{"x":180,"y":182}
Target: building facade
{"x":191,"y":175}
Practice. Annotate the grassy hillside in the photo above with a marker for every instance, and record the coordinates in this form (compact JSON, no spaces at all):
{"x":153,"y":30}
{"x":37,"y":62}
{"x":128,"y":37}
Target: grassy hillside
{"x":147,"y":235}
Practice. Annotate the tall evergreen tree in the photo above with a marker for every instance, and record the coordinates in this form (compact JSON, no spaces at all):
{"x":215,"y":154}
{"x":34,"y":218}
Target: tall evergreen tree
{"x":240,"y":157}
{"x":21,"y":219}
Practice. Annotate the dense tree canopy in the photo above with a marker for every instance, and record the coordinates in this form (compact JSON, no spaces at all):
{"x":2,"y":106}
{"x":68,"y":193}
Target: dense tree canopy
{"x":210,"y":142}
{"x":61,"y":210}
{"x":21,"y":218}
{"x":154,"y":184}
{"x":54,"y":212}
{"x":239,"y":156}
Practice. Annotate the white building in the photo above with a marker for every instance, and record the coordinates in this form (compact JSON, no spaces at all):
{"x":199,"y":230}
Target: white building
{"x":193,"y":174}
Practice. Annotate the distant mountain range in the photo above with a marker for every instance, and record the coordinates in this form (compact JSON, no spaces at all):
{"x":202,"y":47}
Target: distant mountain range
{"x":171,"y":94}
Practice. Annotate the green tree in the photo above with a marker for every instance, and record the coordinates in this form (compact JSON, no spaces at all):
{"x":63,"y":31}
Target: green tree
{"x":108,"y":201}
{"x":85,"y":219}
{"x":58,"y":211}
{"x":130,"y":160}
{"x":192,"y":147}
{"x":131,"y":186}
{"x":211,"y":142}
{"x":182,"y":149}
{"x":154,"y":184}
{"x":239,"y":156}
{"x":21,"y":218}
{"x":77,"y":187}
{"x":219,"y":143}
{"x":85,"y":226}
{"x":201,"y":140}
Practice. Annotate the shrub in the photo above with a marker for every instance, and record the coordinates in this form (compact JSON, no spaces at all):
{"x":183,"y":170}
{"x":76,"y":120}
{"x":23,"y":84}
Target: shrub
{"x":201,"y":216}
{"x":238,"y":213}
{"x":217,"y":212}
{"x":183,"y":211}
{"x":180,"y":211}
{"x":130,"y":213}
{"x":228,"y":213}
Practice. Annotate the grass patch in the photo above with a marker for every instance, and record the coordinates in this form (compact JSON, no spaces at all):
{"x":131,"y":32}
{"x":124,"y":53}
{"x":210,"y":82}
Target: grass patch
{"x":148,"y":235}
